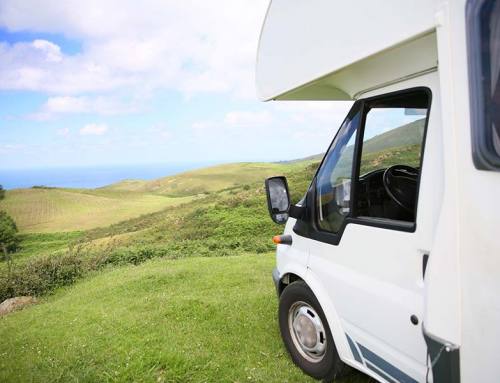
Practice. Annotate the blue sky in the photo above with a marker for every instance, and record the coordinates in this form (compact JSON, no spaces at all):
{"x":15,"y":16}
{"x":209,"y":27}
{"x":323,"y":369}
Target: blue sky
{"x":124,"y":82}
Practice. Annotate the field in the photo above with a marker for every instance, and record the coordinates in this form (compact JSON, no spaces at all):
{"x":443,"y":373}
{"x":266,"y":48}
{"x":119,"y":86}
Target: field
{"x":179,"y":294}
{"x":231,"y":221}
{"x":57,"y":210}
{"x":48,"y":210}
{"x":190,"y":320}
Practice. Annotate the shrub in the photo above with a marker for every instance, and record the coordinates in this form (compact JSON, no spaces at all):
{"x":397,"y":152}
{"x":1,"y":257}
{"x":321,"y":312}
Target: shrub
{"x":9,"y":240}
{"x":233,"y":222}
{"x":42,"y":275}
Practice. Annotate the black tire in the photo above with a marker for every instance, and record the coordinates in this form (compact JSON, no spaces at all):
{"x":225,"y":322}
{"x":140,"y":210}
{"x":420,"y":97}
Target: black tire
{"x":327,"y":365}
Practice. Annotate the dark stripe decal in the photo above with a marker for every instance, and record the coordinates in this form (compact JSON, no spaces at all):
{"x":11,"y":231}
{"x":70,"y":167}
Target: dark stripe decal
{"x":354,"y":350}
{"x":379,"y":373}
{"x":385,"y":366}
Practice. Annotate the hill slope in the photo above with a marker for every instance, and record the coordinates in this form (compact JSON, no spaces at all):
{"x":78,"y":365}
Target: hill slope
{"x":51,"y":210}
{"x":57,"y":210}
{"x":406,"y":135}
{"x":403,"y":136}
{"x":165,"y":321}
{"x":206,"y":180}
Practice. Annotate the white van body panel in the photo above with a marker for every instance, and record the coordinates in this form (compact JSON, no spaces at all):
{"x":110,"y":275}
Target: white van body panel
{"x":299,"y":43}
{"x":292,"y":259}
{"x":442,"y":315}
{"x":374,"y":275}
{"x":363,"y":288}
{"x":337,"y":326}
{"x":296,"y":263}
{"x":476,"y":221}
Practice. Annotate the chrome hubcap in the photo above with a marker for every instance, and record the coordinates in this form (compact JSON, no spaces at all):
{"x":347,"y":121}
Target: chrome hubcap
{"x":307,"y":331}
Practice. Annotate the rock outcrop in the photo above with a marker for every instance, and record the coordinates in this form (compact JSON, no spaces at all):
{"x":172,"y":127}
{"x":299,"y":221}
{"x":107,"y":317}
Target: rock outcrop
{"x":16,"y":303}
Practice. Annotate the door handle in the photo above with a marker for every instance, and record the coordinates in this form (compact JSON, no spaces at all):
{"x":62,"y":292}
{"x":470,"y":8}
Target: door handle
{"x":425,"y":258}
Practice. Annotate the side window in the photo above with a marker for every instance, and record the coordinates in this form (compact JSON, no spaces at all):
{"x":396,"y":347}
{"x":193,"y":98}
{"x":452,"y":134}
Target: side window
{"x":333,"y":181}
{"x":390,"y":159}
{"x":483,"y":38}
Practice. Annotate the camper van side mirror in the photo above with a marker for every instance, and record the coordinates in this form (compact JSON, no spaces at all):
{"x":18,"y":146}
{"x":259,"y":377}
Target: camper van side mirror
{"x":278,"y":199}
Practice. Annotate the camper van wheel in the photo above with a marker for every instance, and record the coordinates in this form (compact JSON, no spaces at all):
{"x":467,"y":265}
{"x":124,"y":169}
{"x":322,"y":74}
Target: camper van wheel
{"x":306,"y":334}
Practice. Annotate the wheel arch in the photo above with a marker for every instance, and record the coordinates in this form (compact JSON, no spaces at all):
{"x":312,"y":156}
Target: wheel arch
{"x":334,"y":323}
{"x":286,"y":279}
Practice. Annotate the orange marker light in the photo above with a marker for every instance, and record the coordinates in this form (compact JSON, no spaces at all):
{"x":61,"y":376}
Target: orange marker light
{"x":282,"y":239}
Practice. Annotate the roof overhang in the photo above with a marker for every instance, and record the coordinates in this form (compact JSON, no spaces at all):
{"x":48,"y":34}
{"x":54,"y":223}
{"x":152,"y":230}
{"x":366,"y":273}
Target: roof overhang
{"x":332,"y":50}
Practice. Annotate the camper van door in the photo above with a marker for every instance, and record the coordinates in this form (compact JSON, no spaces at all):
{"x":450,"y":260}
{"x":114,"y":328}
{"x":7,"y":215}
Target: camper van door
{"x":372,"y":267}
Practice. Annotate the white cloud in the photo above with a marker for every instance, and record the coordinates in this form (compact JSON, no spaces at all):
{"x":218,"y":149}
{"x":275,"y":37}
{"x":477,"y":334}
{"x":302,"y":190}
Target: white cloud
{"x":94,"y":130}
{"x":195,"y":46}
{"x":37,"y":66}
{"x":161,"y":131}
{"x":51,"y":51}
{"x":248,"y":118}
{"x":66,"y":104}
{"x":317,"y":112}
{"x":63,"y":132}
{"x":11,"y":148}
{"x":102,"y":105}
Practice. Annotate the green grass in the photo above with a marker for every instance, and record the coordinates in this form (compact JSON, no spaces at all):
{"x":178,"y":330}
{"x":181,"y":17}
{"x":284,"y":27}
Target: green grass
{"x":405,"y":135}
{"x":190,"y":320}
{"x":230,"y":222}
{"x":408,"y":155}
{"x":62,"y":210}
{"x":43,"y":244}
{"x":47,"y":210}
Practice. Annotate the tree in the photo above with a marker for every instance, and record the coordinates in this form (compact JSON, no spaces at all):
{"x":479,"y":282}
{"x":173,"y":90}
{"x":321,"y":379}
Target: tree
{"x":2,"y":192}
{"x":8,"y":234}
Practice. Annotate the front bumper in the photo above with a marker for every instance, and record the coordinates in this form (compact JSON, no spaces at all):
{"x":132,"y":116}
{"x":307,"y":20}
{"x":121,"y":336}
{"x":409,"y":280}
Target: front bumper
{"x":276,"y":280}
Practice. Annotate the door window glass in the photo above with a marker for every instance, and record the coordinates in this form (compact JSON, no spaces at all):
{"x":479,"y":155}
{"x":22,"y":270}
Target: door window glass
{"x":483,"y":26}
{"x":333,"y":182}
{"x":390,"y":162}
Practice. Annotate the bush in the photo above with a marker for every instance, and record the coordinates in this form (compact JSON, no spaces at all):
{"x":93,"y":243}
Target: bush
{"x":2,"y":192}
{"x":234,"y":222}
{"x":42,"y":275}
{"x":9,"y":240}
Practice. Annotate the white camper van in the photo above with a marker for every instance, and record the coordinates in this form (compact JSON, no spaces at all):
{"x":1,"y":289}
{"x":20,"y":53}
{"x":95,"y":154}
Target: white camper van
{"x":391,"y":262}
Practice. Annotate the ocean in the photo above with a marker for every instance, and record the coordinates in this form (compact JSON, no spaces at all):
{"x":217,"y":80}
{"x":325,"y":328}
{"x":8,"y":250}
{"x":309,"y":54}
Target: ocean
{"x":88,"y":177}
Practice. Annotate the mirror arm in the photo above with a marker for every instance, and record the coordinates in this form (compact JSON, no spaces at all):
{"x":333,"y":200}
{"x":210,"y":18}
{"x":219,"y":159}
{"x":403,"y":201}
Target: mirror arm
{"x":296,"y":211}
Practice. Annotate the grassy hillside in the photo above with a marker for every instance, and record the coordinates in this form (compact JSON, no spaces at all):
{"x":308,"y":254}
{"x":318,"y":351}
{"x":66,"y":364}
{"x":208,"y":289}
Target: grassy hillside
{"x":196,"y":314}
{"x":229,"y":222}
{"x":408,"y":155}
{"x":47,"y":210}
{"x":191,"y":320}
{"x":158,"y":294}
{"x":397,"y":146}
{"x":59,"y":210}
{"x":204,"y":180}
{"x":406,"y":135}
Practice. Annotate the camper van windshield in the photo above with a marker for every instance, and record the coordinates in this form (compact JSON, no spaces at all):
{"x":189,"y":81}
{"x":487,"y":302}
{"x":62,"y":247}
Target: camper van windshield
{"x":333,"y":180}
{"x":390,"y":139}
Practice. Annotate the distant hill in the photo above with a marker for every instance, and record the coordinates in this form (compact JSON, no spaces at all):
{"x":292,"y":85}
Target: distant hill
{"x":406,"y":135}
{"x":201,"y":181}
{"x":44,"y":209}
{"x":314,"y":157}
{"x":56,"y":209}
